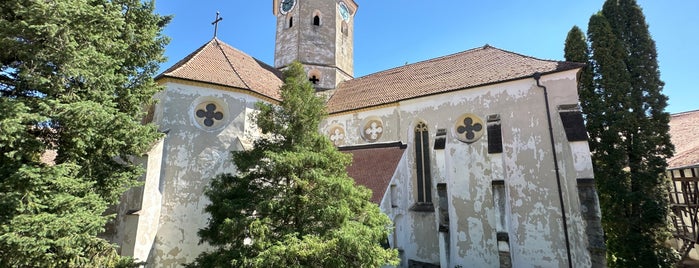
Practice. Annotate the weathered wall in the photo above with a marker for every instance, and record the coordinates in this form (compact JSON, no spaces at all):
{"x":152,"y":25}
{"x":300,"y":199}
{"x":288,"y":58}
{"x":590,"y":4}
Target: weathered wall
{"x":533,"y":224}
{"x":138,"y":213}
{"x":325,"y":48}
{"x":194,"y":152}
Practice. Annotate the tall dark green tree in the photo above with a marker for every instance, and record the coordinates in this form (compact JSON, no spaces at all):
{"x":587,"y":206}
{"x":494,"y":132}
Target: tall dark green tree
{"x":74,"y":76}
{"x":292,"y":203}
{"x":625,"y":112}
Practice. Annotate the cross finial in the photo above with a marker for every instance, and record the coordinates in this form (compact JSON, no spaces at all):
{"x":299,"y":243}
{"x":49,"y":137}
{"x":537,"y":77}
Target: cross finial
{"x":215,"y":23}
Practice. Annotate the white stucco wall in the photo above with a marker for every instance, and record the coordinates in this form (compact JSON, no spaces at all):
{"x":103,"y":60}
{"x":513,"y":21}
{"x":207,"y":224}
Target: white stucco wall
{"x":193,"y":155}
{"x":533,"y":209}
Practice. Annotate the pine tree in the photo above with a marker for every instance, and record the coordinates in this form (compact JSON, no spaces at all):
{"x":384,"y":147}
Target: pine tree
{"x":293,"y":204}
{"x":624,"y":109}
{"x":74,"y":76}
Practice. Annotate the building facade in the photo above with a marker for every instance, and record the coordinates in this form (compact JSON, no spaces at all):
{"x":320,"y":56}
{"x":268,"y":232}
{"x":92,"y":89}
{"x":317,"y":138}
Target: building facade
{"x":480,"y":158}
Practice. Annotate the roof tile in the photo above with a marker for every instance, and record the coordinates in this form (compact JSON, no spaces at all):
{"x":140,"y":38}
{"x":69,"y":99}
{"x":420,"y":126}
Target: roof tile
{"x":219,"y":63}
{"x":467,"y":69}
{"x":684,"y":134}
{"x":374,"y":167}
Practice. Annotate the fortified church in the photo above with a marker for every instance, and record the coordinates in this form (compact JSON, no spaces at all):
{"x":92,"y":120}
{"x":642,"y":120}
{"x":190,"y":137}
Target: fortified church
{"x":480,"y":158}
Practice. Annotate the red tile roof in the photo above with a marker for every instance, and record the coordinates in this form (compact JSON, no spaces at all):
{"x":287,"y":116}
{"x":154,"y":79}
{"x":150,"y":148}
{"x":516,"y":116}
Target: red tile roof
{"x":373,"y":166}
{"x":219,"y":63}
{"x":684,"y":134}
{"x":467,"y":69}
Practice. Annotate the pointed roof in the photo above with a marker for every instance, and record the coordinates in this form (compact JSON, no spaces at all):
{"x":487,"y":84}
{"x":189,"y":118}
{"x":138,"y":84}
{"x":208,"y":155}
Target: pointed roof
{"x":684,"y":134}
{"x":471,"y":68}
{"x":219,"y":63}
{"x":373,"y":166}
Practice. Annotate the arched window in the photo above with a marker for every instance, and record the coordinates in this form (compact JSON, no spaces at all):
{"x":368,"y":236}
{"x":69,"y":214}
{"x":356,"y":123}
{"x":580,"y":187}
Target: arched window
{"x":422,"y":163}
{"x":344,"y":28}
{"x":291,"y":21}
{"x":316,"y":20}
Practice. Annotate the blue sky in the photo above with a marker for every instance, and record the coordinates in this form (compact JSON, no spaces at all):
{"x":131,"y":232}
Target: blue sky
{"x":390,"y":33}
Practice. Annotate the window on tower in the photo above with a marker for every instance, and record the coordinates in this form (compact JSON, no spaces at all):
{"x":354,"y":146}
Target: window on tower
{"x":314,"y":79}
{"x":291,"y":21}
{"x":316,"y":20}
{"x":344,"y":28}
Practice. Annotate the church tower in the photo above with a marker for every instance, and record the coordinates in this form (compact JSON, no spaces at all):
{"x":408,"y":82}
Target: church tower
{"x":320,"y":35}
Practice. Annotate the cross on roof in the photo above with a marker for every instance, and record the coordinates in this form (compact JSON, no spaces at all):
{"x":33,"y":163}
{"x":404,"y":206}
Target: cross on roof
{"x":314,"y":79}
{"x":215,"y":23}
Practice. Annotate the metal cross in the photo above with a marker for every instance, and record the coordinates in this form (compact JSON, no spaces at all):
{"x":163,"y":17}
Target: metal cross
{"x":215,"y":23}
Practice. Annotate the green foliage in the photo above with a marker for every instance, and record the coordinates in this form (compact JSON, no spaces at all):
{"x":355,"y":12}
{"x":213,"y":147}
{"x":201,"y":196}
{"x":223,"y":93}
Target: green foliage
{"x":74,"y":75}
{"x":624,"y":108}
{"x":292,"y":204}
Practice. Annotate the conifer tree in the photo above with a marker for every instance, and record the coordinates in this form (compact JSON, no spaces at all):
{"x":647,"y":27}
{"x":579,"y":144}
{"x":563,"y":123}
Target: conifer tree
{"x":624,"y":111}
{"x":292,"y":203}
{"x":74,"y":76}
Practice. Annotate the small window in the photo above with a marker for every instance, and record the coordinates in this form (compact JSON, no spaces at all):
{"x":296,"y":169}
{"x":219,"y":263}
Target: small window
{"x":344,"y":28}
{"x":291,"y":22}
{"x":316,"y":20}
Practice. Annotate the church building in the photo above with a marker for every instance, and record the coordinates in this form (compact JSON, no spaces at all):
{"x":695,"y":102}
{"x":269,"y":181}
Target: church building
{"x":480,"y":158}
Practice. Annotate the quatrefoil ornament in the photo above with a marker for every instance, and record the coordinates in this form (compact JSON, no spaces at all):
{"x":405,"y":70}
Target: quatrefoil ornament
{"x":372,"y":130}
{"x":469,"y":128}
{"x":209,"y":114}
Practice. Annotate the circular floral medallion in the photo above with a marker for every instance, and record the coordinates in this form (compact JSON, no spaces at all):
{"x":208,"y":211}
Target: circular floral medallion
{"x":372,"y":130}
{"x":209,"y":114}
{"x":469,"y":128}
{"x":337,"y":135}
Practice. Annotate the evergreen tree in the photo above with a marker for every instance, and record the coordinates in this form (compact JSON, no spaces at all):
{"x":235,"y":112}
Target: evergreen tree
{"x":577,"y":50}
{"x":624,"y":109}
{"x":74,"y":76}
{"x":292,"y":203}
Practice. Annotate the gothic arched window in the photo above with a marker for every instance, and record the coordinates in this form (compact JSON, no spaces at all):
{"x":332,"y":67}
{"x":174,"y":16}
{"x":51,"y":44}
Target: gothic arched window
{"x":422,"y":163}
{"x":316,"y":20}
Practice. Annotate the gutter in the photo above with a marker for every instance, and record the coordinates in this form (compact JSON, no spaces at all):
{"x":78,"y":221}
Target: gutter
{"x":536,"y":77}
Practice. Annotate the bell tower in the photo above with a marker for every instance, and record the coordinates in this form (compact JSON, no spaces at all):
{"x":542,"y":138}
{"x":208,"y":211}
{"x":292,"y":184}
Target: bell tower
{"x":320,"y":35}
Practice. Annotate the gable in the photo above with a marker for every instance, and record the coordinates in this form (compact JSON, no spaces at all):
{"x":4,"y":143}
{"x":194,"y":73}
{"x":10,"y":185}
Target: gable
{"x":218,"y":63}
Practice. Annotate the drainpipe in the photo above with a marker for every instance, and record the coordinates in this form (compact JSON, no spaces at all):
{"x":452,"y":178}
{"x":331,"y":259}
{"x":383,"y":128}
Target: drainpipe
{"x":536,"y":77}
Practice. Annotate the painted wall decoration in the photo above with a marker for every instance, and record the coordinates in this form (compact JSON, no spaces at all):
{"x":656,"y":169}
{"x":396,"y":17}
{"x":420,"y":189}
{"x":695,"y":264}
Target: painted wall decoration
{"x":209,"y":114}
{"x":373,"y":129}
{"x":337,"y":135}
{"x":469,"y":128}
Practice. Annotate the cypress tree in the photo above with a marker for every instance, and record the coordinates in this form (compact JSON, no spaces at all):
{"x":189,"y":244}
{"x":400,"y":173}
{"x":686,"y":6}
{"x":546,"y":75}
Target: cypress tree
{"x":74,"y":76}
{"x":292,"y":203}
{"x":629,"y":137}
{"x":577,"y":50}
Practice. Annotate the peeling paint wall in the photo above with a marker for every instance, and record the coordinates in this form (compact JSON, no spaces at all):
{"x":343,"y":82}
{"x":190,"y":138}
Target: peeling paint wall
{"x":196,"y":148}
{"x":135,"y":226}
{"x":534,"y":224}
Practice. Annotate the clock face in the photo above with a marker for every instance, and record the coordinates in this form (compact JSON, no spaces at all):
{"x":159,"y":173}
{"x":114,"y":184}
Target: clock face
{"x":286,"y":5}
{"x":344,"y":12}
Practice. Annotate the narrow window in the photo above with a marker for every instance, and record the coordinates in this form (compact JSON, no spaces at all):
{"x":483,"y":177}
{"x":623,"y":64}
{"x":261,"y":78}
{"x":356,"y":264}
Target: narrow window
{"x":443,"y":207}
{"x":422,"y":164}
{"x":291,"y":22}
{"x":574,"y":125}
{"x":316,"y":20}
{"x":344,"y":28}
{"x":494,"y":134}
